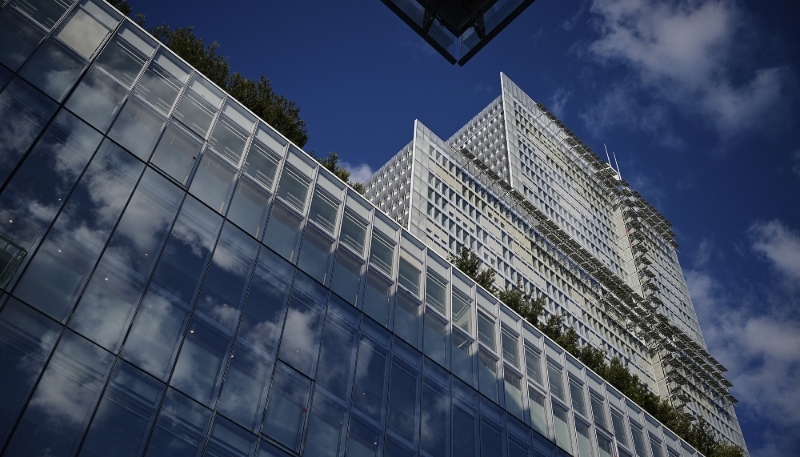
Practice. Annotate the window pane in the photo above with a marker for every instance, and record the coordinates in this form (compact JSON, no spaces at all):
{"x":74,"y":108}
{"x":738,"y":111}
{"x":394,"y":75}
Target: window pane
{"x":293,"y":187}
{"x":26,"y":339}
{"x":261,"y":163}
{"x":655,"y":447}
{"x":510,"y":351}
{"x":377,"y":294}
{"x":229,"y":440}
{"x":18,"y":37}
{"x":315,"y":254}
{"x":462,"y":350}
{"x":556,"y":382}
{"x":409,"y":275}
{"x":326,"y":428}
{"x":176,"y":153}
{"x":486,"y":331}
{"x":464,"y":431}
{"x":125,"y":55}
{"x":324,"y":210}
{"x":248,"y":207}
{"x":160,"y":85}
{"x":56,"y":416}
{"x":347,"y":276}
{"x":435,"y":338}
{"x":598,"y":411}
{"x":181,"y":427}
{"x":406,"y":319}
{"x":337,"y":356}
{"x":97,"y":99}
{"x":538,"y":413}
{"x":25,"y":111}
{"x":137,"y":128}
{"x":198,"y":105}
{"x":513,"y":392}
{"x":638,"y":440}
{"x":53,"y":69}
{"x":282,"y":230}
{"x":381,"y":252}
{"x":561,"y":425}
{"x":129,"y":404}
{"x":354,"y":231}
{"x":212,"y":182}
{"x":302,"y":330}
{"x":403,"y":394}
{"x":462,"y":311}
{"x":229,"y":137}
{"x":584,"y":442}
{"x":203,"y":356}
{"x":487,"y":375}
{"x":266,"y":449}
{"x":436,"y":292}
{"x":286,"y":410}
{"x":82,"y":32}
{"x":364,"y":440}
{"x":533,"y":364}
{"x":46,"y":13}
{"x":370,"y":380}
{"x":491,"y":438}
{"x":266,"y":302}
{"x":619,"y":428}
{"x":576,"y":392}
{"x":434,"y":418}
{"x":244,"y":393}
{"x":604,"y":444}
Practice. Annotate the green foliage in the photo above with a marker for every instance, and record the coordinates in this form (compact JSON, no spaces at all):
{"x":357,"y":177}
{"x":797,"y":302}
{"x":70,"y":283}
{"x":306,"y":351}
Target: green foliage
{"x":122,"y":6}
{"x":332,"y":164}
{"x":469,"y":262}
{"x":523,"y":303}
{"x":725,"y":449}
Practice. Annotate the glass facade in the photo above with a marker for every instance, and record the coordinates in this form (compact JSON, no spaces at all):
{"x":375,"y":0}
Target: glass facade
{"x":177,"y":279}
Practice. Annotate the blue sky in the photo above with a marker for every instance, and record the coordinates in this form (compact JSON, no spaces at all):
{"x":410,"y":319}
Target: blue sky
{"x":697,"y":98}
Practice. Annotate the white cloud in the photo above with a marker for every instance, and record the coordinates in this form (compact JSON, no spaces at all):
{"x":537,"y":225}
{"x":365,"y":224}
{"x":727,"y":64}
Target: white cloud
{"x":780,"y":245}
{"x":358,"y":173}
{"x":560,"y":99}
{"x":685,"y":51}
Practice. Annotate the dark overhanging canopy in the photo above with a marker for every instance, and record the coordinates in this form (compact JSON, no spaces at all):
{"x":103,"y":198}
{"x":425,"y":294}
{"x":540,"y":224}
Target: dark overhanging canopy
{"x":458,"y":29}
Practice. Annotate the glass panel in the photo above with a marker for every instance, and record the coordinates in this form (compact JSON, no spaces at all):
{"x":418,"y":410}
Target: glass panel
{"x":519,"y":442}
{"x":45,"y":12}
{"x":436,"y":292}
{"x":381,"y":253}
{"x":226,"y":280}
{"x":137,"y":128}
{"x":598,"y":411}
{"x":556,"y":382}
{"x":97,"y":98}
{"x":315,"y":254}
{"x":337,"y":354}
{"x":409,"y":274}
{"x":561,"y":425}
{"x":82,"y":32}
{"x":156,"y":333}
{"x":68,"y":253}
{"x":462,"y":310}
{"x":229,"y":440}
{"x":370,"y":380}
{"x":655,"y":447}
{"x":201,"y":361}
{"x":533,"y":364}
{"x":584,"y":442}
{"x":377,"y":294}
{"x":184,"y":259}
{"x":53,"y":69}
{"x":18,"y":38}
{"x":434,"y":418}
{"x":576,"y":393}
{"x":262,"y":163}
{"x":262,"y":320}
{"x":231,"y":133}
{"x":212,"y":182}
{"x":125,"y":55}
{"x":324,"y":209}
{"x":302,"y":330}
{"x":326,"y":428}
{"x":538,"y":413}
{"x":619,"y":427}
{"x":465,"y":431}
{"x":510,"y":350}
{"x":160,"y":85}
{"x":26,"y":339}
{"x":604,"y":445}
{"x":354,"y":231}
{"x":293,"y":187}
{"x":145,"y":223}
{"x":244,"y":393}
{"x":198,"y":105}
{"x":266,"y":449}
{"x":282,"y":230}
{"x":25,"y":111}
{"x":364,"y":440}
{"x":435,"y":338}
{"x":513,"y":392}
{"x":248,"y":207}
{"x":176,"y":153}
{"x":462,"y":350}
{"x":491,"y":438}
{"x":638,"y":440}
{"x":122,"y":422}
{"x":403,"y":392}
{"x":487,"y":374}
{"x":394,"y":448}
{"x":286,"y":410}
{"x":347,"y":276}
{"x":58,"y":412}
{"x":486,"y":331}
{"x":181,"y":428}
{"x":406,"y":319}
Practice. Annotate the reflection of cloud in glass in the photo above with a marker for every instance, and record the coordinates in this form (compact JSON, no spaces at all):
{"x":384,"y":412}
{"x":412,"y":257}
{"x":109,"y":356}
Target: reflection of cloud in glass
{"x":24,"y":111}
{"x":300,"y":336}
{"x":83,"y":33}
{"x":157,"y":328}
